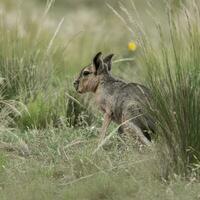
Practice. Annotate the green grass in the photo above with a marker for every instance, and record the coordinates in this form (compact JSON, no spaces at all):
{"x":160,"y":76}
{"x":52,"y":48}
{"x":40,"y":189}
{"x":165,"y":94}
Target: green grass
{"x":60,"y":165}
{"x":35,"y":71}
{"x":173,"y":76}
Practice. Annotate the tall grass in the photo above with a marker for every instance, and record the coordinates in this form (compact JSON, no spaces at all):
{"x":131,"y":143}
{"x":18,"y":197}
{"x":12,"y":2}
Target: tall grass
{"x":172,"y":72}
{"x":174,"y":78}
{"x":34,"y":70}
{"x":22,"y":64}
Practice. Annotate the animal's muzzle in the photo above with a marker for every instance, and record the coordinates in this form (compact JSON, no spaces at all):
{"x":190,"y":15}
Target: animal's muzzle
{"x":76,"y":83}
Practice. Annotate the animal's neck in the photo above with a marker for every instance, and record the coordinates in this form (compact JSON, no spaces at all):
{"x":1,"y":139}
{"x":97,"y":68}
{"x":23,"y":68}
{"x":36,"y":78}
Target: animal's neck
{"x":102,"y":80}
{"x":102,"y":91}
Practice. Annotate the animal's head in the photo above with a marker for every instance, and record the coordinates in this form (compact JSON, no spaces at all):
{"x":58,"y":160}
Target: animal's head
{"x":90,"y":76}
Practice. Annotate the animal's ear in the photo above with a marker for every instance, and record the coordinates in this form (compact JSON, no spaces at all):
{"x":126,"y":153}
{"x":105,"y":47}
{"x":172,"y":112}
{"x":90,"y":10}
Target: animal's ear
{"x":108,"y":61}
{"x":98,"y":63}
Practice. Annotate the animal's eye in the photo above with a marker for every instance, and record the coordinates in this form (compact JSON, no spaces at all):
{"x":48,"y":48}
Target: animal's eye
{"x":86,"y":73}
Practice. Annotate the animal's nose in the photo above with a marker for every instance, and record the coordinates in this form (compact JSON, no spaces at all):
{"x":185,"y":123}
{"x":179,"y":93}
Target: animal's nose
{"x":76,"y":82}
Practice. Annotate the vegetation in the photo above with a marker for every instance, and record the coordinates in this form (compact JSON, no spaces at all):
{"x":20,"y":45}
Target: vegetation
{"x":172,"y":73}
{"x":175,"y":81}
{"x":48,"y":133}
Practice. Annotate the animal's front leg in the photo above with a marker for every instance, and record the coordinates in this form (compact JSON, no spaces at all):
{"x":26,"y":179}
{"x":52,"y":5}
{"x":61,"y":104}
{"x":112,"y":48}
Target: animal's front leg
{"x":105,"y":125}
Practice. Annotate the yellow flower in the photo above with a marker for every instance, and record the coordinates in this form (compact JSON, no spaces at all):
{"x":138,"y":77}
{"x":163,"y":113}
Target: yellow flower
{"x":132,"y":46}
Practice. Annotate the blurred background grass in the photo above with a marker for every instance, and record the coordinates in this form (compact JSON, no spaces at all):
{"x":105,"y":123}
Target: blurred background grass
{"x":48,"y":132}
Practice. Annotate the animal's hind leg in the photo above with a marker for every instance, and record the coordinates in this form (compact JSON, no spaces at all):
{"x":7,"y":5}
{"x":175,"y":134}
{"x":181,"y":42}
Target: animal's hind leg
{"x":131,"y":127}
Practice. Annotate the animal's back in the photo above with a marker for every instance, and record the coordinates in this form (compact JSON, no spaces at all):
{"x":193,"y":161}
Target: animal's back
{"x":130,"y":100}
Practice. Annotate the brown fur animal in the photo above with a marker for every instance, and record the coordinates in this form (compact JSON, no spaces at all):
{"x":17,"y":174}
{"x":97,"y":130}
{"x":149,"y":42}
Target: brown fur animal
{"x":120,"y":102}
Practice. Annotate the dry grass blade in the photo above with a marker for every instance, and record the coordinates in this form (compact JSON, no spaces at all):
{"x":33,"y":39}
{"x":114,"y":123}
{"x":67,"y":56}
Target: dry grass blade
{"x":121,"y":18}
{"x":120,"y":166}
